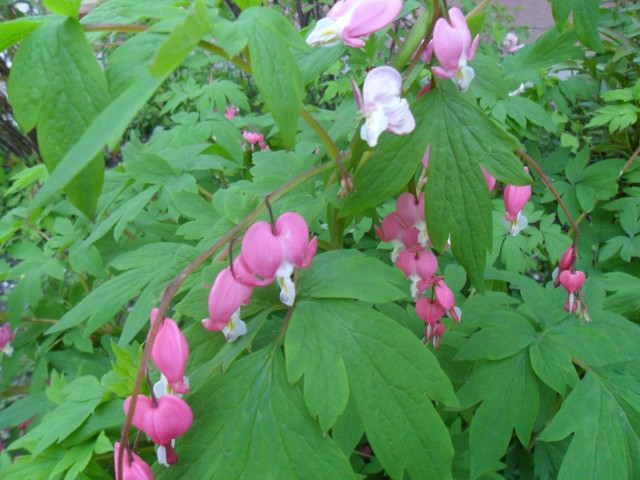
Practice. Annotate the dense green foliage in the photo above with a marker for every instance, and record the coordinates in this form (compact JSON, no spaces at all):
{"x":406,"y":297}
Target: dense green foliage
{"x":339,"y":385}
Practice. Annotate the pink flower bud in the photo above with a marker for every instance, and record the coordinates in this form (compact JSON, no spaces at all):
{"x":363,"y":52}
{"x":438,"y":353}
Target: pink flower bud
{"x":231,"y":112}
{"x":133,"y":467}
{"x":425,"y":157}
{"x":490,"y":179}
{"x":444,"y":295}
{"x":6,"y":337}
{"x":515,"y":198}
{"x":429,"y":311}
{"x":568,"y":257}
{"x":164,"y":419}
{"x":453,"y":48}
{"x":225,"y":298}
{"x":170,"y":352}
{"x":571,"y":281}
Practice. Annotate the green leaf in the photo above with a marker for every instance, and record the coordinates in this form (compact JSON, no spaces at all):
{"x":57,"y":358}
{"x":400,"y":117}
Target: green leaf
{"x":14,"y":31}
{"x":552,"y":364}
{"x":380,"y":356}
{"x":560,"y":10}
{"x":57,"y":85}
{"x":106,"y":129}
{"x":122,"y":378}
{"x":66,"y":8}
{"x":511,"y":403}
{"x":618,"y":117}
{"x":499,"y":338}
{"x":352,"y":274}
{"x":392,"y":165}
{"x":601,"y":427}
{"x":585,"y":18}
{"x":274,"y":67}
{"x":457,"y":198}
{"x":253,"y":424}
{"x":182,"y":39}
{"x":82,"y":396}
{"x":24,"y":409}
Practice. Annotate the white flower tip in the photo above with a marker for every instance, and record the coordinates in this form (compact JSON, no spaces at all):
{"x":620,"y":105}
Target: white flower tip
{"x":326,"y":33}
{"x":234,"y":329}
{"x":464,"y":77}
{"x":287,"y":290}
{"x":162,"y":456}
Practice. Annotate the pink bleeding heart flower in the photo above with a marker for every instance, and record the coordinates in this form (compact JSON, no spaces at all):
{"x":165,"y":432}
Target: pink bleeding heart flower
{"x":515,"y":198}
{"x":570,"y":304}
{"x":226,"y":297}
{"x":170,"y":353}
{"x":381,"y":105}
{"x":567,"y":259}
{"x":231,"y":112}
{"x":274,"y":253}
{"x":163,"y":419}
{"x":420,"y":267}
{"x":434,"y":331}
{"x":429,"y":310}
{"x":6,"y":337}
{"x":490,"y":179}
{"x":133,"y":467}
{"x":398,"y":233}
{"x":453,"y":47}
{"x":571,"y":281}
{"x":350,"y":20}
{"x":411,"y":211}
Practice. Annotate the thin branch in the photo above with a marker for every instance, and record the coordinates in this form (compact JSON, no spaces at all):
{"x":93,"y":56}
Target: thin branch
{"x":630,"y":161}
{"x":533,"y":164}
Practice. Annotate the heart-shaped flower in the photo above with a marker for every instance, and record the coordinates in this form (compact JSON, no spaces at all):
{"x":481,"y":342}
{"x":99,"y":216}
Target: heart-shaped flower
{"x":164,"y":419}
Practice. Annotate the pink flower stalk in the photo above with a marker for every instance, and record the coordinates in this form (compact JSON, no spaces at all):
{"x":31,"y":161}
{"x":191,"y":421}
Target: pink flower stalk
{"x":225,"y":298}
{"x":6,"y":337}
{"x":411,"y":212}
{"x":275,"y":252}
{"x":395,"y":231}
{"x":382,"y":106}
{"x":490,"y":179}
{"x":453,"y":47}
{"x":163,"y":419}
{"x":133,"y":467}
{"x":350,"y":20}
{"x":420,"y":267}
{"x":515,"y":198}
{"x":231,"y":112}
{"x":170,"y":352}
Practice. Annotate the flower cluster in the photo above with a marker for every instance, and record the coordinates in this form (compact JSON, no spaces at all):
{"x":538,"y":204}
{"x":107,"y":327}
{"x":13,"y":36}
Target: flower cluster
{"x":253,"y":138}
{"x":164,"y":416}
{"x":572,"y":280}
{"x":406,"y":228}
{"x":6,"y":337}
{"x":269,"y":252}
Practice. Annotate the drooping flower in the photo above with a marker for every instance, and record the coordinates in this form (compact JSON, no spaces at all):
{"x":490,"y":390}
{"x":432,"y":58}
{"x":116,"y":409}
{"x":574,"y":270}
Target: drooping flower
{"x":170,"y":352}
{"x":398,"y":233}
{"x":410,"y":209}
{"x":566,"y":261}
{"x":275,"y":252}
{"x":231,"y":112}
{"x":420,"y":267}
{"x":226,"y":297}
{"x":382,"y":106}
{"x":515,"y":198}
{"x":453,"y":47}
{"x":6,"y":337}
{"x":163,"y":419}
{"x":133,"y":467}
{"x":350,"y":20}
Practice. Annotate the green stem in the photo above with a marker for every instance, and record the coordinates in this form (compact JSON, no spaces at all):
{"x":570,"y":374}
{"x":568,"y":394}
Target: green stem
{"x":415,"y":36}
{"x":332,"y":149}
{"x":177,"y":282}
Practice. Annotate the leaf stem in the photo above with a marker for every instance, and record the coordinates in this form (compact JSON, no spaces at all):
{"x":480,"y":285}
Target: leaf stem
{"x":533,"y":164}
{"x":177,"y":282}
{"x":629,"y":162}
{"x":332,"y":148}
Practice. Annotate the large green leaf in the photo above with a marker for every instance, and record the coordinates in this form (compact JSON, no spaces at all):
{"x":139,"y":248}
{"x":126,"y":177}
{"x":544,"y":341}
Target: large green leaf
{"x":600,"y":422}
{"x":509,"y":391}
{"x":184,"y":37}
{"x":67,"y":8}
{"x":457,"y":198}
{"x":585,"y":18}
{"x":274,"y":67}
{"x":57,"y":85}
{"x":251,"y":423}
{"x":105,"y":129}
{"x":392,"y":165}
{"x":351,"y":274}
{"x":391,"y":375}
